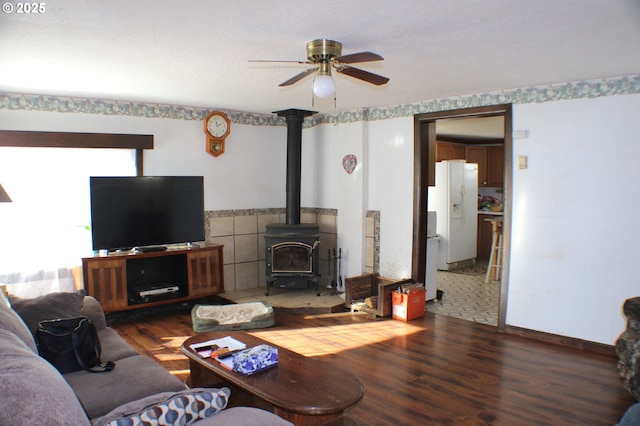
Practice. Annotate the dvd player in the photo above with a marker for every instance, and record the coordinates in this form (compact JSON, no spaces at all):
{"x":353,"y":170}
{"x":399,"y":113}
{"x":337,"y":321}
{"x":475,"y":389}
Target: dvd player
{"x":158,"y":291}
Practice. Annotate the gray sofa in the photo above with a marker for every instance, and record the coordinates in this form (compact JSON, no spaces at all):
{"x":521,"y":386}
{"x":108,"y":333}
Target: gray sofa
{"x":34,"y":392}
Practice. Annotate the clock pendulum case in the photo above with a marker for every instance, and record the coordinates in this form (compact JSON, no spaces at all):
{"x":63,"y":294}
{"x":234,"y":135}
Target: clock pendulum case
{"x":217,"y":127}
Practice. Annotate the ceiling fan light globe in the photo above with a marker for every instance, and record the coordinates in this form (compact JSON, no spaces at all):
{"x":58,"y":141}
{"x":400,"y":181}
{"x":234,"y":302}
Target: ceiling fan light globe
{"x":324,"y":86}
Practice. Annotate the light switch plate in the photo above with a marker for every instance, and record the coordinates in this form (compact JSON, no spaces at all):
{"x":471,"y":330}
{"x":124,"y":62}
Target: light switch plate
{"x":522,"y":162}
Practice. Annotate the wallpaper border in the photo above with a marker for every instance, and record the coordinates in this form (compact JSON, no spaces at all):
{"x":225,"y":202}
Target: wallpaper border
{"x":543,"y":93}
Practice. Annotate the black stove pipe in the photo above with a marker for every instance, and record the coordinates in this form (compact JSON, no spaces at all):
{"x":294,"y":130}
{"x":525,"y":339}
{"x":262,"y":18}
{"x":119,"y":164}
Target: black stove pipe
{"x":294,"y":118}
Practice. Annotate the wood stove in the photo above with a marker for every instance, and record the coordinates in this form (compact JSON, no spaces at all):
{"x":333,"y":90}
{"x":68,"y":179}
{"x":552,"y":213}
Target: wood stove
{"x":292,"y":255}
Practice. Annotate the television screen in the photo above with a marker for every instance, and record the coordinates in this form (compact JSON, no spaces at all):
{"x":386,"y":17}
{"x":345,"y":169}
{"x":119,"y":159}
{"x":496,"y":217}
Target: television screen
{"x":141,"y":211}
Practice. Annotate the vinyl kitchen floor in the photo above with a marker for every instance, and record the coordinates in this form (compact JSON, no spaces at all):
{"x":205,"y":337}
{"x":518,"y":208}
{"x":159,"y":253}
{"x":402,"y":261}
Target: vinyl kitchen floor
{"x":467,"y":297}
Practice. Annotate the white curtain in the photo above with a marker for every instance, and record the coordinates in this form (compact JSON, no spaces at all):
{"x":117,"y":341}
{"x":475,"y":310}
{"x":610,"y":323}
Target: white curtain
{"x":45,"y":231}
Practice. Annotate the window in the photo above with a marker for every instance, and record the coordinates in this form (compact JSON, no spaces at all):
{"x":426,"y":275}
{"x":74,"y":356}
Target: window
{"x":47,"y":226}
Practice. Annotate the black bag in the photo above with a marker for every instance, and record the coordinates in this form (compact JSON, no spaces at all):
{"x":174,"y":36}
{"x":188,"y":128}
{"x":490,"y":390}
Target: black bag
{"x":71,"y":344}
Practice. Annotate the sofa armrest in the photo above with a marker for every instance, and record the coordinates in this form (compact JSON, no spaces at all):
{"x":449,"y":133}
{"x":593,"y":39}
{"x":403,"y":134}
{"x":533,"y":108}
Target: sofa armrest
{"x":91,"y":309}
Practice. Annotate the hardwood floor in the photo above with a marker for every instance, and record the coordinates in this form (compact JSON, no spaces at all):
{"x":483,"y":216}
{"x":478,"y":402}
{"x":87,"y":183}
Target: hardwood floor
{"x":437,"y":370}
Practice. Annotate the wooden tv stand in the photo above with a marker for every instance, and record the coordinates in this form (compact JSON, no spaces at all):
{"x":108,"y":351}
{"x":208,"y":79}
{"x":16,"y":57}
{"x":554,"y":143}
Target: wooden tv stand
{"x":114,"y":280}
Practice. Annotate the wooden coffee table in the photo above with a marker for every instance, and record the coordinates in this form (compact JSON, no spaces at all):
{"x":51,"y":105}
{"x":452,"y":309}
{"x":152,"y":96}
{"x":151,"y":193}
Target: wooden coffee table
{"x":305,"y":391}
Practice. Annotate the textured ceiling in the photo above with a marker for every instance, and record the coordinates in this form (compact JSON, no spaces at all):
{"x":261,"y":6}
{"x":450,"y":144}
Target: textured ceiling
{"x":196,"y":53}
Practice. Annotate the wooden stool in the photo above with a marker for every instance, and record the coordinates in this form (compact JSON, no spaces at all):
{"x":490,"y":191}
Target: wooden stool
{"x":494,"y":269}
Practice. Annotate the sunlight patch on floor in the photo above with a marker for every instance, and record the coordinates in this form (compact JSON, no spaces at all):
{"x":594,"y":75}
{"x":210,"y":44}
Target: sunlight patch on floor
{"x":316,"y":341}
{"x":173,"y":342}
{"x":178,"y":356}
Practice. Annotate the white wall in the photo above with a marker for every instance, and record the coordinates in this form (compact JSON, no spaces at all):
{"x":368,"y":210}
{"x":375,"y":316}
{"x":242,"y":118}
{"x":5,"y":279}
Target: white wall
{"x":575,"y":217}
{"x":326,"y":184}
{"x":575,"y":227}
{"x":250,"y":174}
{"x":390,"y":188}
{"x":382,"y":180}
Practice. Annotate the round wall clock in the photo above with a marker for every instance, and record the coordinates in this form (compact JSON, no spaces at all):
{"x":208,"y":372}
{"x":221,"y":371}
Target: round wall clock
{"x":217,"y":127}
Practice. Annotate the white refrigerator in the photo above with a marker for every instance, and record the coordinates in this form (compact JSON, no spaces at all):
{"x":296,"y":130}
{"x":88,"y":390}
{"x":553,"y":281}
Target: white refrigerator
{"x":455,"y":199}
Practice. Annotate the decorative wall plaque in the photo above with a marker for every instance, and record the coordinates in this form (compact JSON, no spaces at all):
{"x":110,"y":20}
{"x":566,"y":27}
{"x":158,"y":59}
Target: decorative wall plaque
{"x":349,"y":163}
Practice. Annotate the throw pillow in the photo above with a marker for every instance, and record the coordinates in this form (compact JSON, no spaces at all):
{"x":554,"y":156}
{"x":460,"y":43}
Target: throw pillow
{"x":91,"y":309}
{"x":11,"y":321}
{"x":48,"y":307}
{"x":169,"y":408}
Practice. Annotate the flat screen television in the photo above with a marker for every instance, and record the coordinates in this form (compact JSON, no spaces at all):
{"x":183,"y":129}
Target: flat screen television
{"x":146,"y":211}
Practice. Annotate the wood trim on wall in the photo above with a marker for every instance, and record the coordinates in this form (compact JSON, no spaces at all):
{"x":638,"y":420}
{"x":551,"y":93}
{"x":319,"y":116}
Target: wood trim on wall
{"x":424,"y":164}
{"x":30,"y":139}
{"x":561,"y":340}
{"x":425,"y":154}
{"x":74,"y":140}
{"x":471,"y":141}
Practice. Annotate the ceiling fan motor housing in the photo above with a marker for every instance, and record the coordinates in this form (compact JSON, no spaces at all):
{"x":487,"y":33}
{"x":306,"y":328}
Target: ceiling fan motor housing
{"x":323,"y":50}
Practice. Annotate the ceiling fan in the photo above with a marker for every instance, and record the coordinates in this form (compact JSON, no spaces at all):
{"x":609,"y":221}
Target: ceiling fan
{"x":326,"y":54}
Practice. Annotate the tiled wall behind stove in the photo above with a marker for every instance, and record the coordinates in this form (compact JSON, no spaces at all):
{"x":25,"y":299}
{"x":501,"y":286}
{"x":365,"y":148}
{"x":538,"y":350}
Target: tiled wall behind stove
{"x":242,"y":234}
{"x":372,"y":261}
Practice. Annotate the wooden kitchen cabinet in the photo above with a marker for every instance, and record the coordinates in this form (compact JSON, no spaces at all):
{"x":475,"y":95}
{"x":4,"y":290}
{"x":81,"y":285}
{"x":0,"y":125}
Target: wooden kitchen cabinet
{"x":495,"y":165}
{"x":490,"y":160}
{"x":449,"y":151}
{"x":115,"y":280}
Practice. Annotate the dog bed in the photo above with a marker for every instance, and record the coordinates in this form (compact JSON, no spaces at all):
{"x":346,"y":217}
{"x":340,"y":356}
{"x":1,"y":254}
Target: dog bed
{"x":241,"y":316}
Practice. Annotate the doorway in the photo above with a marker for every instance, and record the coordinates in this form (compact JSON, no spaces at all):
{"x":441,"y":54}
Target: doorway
{"x":425,"y":136}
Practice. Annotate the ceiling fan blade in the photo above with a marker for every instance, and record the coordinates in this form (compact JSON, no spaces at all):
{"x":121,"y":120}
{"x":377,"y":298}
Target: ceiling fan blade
{"x":363,"y":75}
{"x":299,"y":77}
{"x":359,"y":57}
{"x":276,"y":60}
